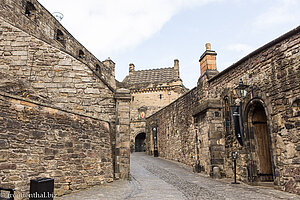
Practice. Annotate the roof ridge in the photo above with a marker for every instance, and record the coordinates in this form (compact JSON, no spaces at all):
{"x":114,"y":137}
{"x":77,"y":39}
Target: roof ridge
{"x":153,"y":69}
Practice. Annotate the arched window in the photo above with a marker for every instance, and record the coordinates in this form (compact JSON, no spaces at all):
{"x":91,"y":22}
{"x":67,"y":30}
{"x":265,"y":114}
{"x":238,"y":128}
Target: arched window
{"x":98,"y":68}
{"x":296,"y":108}
{"x":81,"y":54}
{"x":30,"y":10}
{"x":60,"y":37}
{"x":227,"y":126}
{"x":227,"y":116}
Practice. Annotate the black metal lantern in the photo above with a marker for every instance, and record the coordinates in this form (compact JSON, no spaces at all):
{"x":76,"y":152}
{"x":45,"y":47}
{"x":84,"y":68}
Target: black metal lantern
{"x":241,"y":89}
{"x":234,"y":155}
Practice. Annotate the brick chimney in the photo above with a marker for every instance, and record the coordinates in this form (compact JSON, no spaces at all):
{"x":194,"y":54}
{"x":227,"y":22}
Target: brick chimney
{"x":208,"y":60}
{"x":131,"y":68}
{"x":176,"y":67}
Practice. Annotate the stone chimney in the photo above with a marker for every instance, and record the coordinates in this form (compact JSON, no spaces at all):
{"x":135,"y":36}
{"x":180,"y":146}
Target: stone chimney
{"x":176,"y":66}
{"x":208,"y":60}
{"x":131,"y":68}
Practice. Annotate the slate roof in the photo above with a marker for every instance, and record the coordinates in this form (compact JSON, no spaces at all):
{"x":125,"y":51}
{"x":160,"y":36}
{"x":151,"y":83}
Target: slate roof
{"x":161,"y":75}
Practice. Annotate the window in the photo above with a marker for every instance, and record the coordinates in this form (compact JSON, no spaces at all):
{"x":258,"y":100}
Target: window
{"x":60,"y":37}
{"x":81,"y":54}
{"x":98,"y":68}
{"x":132,"y":98}
{"x":160,"y":96}
{"x":227,"y":116}
{"x":30,"y":10}
{"x":296,"y":108}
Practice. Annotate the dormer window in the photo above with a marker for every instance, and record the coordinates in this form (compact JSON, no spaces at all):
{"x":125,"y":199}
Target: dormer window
{"x":81,"y":54}
{"x":30,"y":10}
{"x":60,"y":37}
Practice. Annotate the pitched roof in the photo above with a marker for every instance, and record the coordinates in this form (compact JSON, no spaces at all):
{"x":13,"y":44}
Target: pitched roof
{"x":151,"y":76}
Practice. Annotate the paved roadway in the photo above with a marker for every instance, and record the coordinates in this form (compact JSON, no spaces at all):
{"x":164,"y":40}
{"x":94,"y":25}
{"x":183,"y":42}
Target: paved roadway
{"x":156,"y":178}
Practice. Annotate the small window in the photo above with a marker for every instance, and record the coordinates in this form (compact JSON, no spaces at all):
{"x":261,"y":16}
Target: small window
{"x":132,"y":98}
{"x":296,"y":108}
{"x":160,"y":96}
{"x":81,"y":54}
{"x":97,"y":68}
{"x":60,"y":37}
{"x":30,"y":10}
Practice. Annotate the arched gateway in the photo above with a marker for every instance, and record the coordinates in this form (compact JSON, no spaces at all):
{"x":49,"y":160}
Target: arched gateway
{"x":140,"y":142}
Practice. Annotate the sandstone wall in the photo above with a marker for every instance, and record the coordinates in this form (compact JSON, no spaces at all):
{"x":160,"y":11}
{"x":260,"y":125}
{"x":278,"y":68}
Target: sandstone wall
{"x":273,"y":75}
{"x":81,"y":92}
{"x":42,"y":25}
{"x":31,"y":67}
{"x":38,"y":140}
{"x":175,"y":132}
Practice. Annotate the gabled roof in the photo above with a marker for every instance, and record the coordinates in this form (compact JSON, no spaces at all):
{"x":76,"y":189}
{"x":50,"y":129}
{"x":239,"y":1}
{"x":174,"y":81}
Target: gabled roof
{"x":161,"y":75}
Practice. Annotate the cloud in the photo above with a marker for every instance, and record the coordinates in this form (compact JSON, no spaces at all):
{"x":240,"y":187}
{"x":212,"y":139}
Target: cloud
{"x":109,"y":26}
{"x":242,"y":49}
{"x":282,"y":12}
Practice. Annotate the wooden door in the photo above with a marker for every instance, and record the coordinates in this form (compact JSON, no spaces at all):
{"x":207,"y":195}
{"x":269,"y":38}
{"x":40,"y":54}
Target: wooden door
{"x":263,"y":144}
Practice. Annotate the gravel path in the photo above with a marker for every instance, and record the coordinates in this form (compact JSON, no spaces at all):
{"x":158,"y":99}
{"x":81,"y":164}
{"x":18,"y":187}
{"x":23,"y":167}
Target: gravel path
{"x":156,"y":178}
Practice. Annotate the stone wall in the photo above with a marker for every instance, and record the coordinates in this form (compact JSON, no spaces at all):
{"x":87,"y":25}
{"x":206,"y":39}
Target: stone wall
{"x":38,"y":140}
{"x":175,"y":132}
{"x":272,"y":73}
{"x":42,"y":25}
{"x":31,"y":67}
{"x":69,"y":87}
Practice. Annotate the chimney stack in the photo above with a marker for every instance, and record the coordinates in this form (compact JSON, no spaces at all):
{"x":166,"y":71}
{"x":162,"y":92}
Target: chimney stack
{"x":131,"y":68}
{"x":208,"y":59}
{"x":176,"y":67}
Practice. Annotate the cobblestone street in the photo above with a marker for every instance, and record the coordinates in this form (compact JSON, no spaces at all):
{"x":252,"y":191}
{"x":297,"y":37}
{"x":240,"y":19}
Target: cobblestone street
{"x":156,"y":178}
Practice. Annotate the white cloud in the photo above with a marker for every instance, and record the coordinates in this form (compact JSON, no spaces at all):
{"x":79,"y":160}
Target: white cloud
{"x":283,"y":11}
{"x":241,"y":49}
{"x":108,"y":26}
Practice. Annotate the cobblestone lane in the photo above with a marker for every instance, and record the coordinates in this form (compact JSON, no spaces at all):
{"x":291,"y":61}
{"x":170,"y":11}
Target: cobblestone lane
{"x":156,"y":178}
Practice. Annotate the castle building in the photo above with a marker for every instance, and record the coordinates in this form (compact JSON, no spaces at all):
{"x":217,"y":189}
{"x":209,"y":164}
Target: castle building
{"x":150,"y":91}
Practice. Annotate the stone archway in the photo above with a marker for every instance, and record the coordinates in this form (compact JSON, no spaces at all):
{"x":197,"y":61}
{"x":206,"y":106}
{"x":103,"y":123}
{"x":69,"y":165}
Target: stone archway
{"x":260,"y":143}
{"x":140,"y":140}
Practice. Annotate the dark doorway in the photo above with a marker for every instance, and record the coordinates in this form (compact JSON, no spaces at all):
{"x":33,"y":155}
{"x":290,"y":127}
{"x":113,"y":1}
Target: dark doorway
{"x":140,"y":142}
{"x":259,"y":120}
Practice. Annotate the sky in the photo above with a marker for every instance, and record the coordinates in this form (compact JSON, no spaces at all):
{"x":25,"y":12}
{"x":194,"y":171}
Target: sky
{"x":152,"y":33}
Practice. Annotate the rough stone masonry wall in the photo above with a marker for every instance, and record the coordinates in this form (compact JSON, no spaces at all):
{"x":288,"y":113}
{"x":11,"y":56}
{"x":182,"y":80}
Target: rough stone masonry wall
{"x":175,"y":130}
{"x":44,"y":26}
{"x":273,"y":75}
{"x":32,"y":67}
{"x":40,"y":141}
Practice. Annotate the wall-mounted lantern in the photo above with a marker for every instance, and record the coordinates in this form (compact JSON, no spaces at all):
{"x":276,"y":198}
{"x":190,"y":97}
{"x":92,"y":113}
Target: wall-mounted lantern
{"x":241,"y":89}
{"x":236,"y":112}
{"x":154,"y":133}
